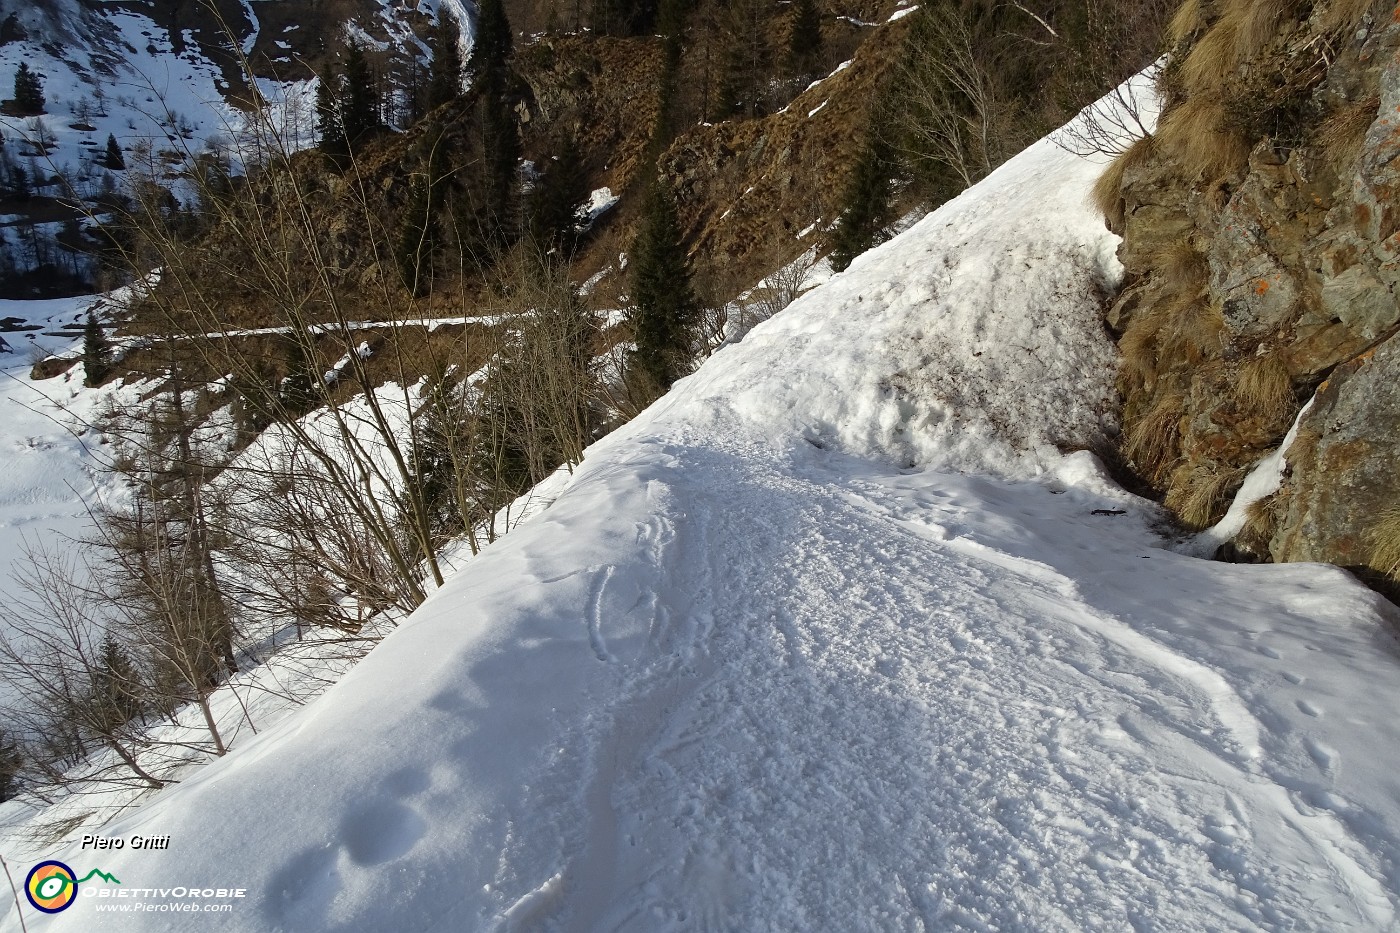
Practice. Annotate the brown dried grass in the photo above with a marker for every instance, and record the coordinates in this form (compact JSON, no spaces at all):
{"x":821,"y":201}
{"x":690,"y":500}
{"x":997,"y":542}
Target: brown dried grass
{"x":1341,"y":16}
{"x":1200,"y":494}
{"x":1107,"y":193}
{"x":1202,"y":139}
{"x":1193,"y":330}
{"x":1137,"y":347}
{"x":1260,"y":524}
{"x":1209,"y":68}
{"x":1338,"y":138}
{"x":1256,"y":23}
{"x":1384,"y":538}
{"x":1265,"y":388}
{"x":1187,"y":22}
{"x":1151,"y":442}
{"x":1182,"y":269}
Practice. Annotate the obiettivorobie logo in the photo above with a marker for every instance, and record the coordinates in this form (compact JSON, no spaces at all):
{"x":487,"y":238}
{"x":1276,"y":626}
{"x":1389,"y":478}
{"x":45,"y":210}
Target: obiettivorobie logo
{"x":52,"y":886}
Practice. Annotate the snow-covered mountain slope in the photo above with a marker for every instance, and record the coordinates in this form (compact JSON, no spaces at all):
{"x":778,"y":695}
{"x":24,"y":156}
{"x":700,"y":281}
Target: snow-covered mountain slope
{"x":162,"y":74}
{"x":834,"y":637}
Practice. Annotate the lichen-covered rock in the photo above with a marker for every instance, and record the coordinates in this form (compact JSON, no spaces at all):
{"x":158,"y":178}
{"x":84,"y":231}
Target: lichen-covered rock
{"x":1344,"y":471}
{"x":1262,"y":248}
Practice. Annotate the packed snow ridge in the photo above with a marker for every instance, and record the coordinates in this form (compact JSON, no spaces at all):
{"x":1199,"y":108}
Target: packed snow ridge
{"x":848,"y":632}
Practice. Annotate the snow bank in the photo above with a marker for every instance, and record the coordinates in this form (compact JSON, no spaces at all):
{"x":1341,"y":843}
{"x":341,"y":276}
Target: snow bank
{"x":972,"y":341}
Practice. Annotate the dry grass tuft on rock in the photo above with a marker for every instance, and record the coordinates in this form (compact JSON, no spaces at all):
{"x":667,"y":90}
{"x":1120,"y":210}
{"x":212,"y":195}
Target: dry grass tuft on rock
{"x":1152,"y":441}
{"x":1187,"y":22}
{"x":1108,"y":190}
{"x":1256,"y":24}
{"x":1182,"y":268}
{"x":1260,"y":523}
{"x":1193,"y":330}
{"x":1338,"y":138}
{"x":1202,"y":139}
{"x":1265,"y":389}
{"x":1200,"y":494}
{"x":1344,"y":16}
{"x":1210,"y":67}
{"x":1137,"y":347}
{"x":1384,"y":537}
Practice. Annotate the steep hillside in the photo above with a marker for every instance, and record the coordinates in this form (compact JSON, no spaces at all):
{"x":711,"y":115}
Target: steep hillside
{"x":834,"y":636}
{"x":1259,"y":241}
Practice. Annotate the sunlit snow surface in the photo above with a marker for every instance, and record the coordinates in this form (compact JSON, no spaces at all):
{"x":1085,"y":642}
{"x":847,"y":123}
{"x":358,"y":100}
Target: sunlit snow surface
{"x":832,"y":638}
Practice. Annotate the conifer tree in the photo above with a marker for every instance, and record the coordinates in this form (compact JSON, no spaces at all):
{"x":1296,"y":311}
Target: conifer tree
{"x":29,"y":90}
{"x":501,"y":179}
{"x":445,"y":70}
{"x":11,"y":30}
{"x":866,"y":202}
{"x":664,"y":311}
{"x":328,"y":122}
{"x":671,"y":22}
{"x":561,"y":187}
{"x":491,"y":47}
{"x":416,"y":235}
{"x":116,"y":686}
{"x":97,"y":352}
{"x":11,"y":760}
{"x":296,"y":395}
{"x":359,"y":106}
{"x":114,"y":159}
{"x":804,"y":37}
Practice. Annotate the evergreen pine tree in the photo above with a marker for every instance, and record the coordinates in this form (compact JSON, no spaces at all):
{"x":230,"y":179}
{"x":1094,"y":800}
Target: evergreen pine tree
{"x":805,"y":37}
{"x":664,"y":311}
{"x":491,"y":47}
{"x":561,"y":187}
{"x":296,"y":395}
{"x":499,"y":202}
{"x":866,"y":203}
{"x":114,"y":159}
{"x":328,"y":121}
{"x":359,"y":110}
{"x":97,"y":352}
{"x":671,"y":22}
{"x":11,"y":29}
{"x":29,"y":90}
{"x":11,"y":761}
{"x":445,"y":70}
{"x":116,"y":686}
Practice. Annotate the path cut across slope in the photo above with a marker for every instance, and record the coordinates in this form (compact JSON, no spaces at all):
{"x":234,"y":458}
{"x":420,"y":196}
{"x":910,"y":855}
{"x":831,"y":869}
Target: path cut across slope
{"x":840,"y":635}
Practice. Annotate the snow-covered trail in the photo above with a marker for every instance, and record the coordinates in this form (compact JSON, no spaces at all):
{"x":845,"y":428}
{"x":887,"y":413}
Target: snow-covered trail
{"x":940,"y":733}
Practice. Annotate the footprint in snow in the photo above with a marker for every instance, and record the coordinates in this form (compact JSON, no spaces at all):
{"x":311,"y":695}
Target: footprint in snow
{"x":1310,"y":709}
{"x":1326,"y":757}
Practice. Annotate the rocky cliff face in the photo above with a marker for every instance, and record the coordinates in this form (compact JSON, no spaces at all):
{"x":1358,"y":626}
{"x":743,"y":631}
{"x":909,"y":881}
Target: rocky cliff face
{"x":1261,"y":228}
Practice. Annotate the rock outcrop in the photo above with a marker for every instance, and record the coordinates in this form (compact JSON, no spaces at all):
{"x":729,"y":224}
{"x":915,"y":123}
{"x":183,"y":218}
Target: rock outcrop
{"x":1261,"y":228}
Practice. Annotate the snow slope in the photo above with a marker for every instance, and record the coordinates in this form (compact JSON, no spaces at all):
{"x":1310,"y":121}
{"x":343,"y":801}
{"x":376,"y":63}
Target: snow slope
{"x":834,"y":637}
{"x":49,"y":478}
